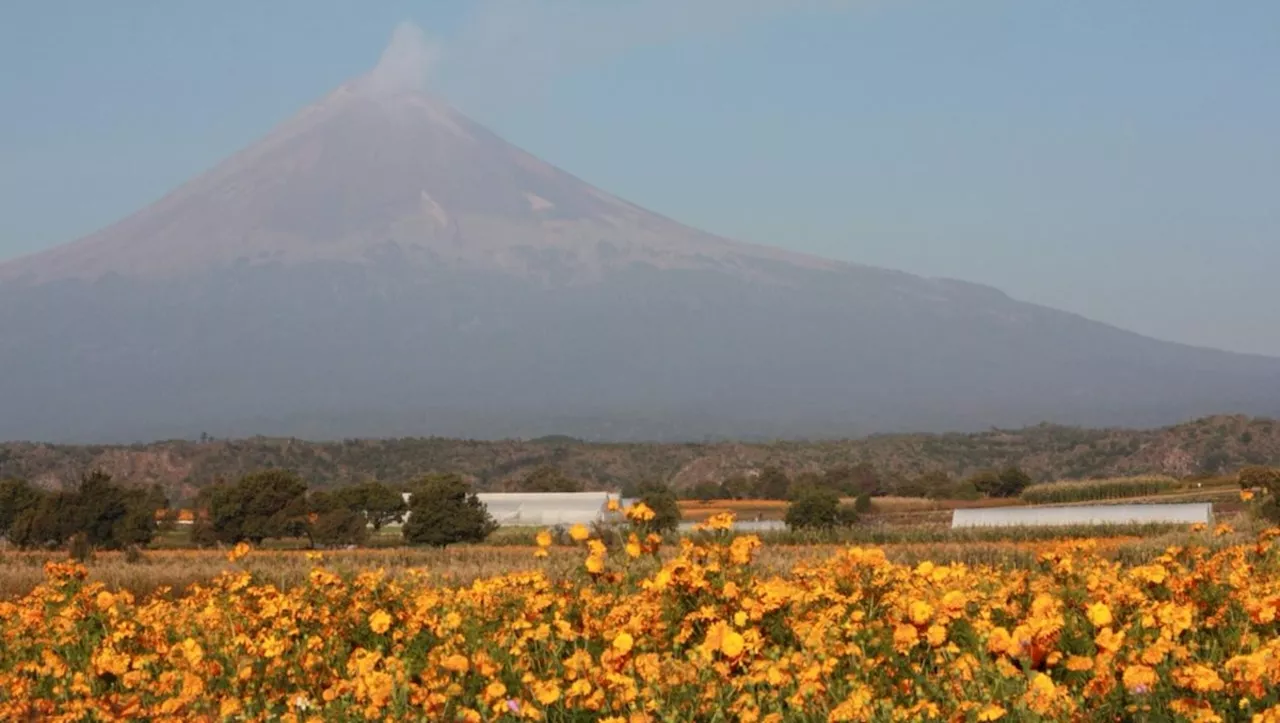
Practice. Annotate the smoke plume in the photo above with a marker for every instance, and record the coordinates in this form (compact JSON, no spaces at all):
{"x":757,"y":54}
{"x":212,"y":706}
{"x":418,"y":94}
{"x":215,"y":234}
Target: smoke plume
{"x":407,"y":61}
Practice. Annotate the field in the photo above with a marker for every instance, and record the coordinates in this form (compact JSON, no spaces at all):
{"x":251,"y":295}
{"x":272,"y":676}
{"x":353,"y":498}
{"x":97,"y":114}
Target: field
{"x":1012,"y":625}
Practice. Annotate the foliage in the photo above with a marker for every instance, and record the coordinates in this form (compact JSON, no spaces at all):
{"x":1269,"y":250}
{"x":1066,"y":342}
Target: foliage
{"x":260,"y":505}
{"x":701,"y":633}
{"x":704,"y":491}
{"x":1008,"y":482}
{"x":819,"y":508}
{"x":1044,"y":452}
{"x":662,"y":500}
{"x":338,"y":519}
{"x":99,"y":511}
{"x":1100,"y":489}
{"x":772,"y":484}
{"x":1265,"y":482}
{"x":546,"y":478}
{"x":16,"y":497}
{"x":377,"y":502}
{"x":443,"y":511}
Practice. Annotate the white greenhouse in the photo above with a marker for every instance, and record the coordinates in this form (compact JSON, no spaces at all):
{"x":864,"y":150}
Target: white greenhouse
{"x":1189,"y":513}
{"x":545,"y":509}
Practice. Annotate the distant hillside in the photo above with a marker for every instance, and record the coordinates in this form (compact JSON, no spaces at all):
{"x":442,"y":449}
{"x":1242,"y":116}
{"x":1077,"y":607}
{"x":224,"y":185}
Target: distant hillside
{"x":1210,"y":445}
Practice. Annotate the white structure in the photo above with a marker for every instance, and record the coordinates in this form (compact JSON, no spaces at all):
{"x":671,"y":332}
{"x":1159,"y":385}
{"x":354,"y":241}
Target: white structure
{"x":544,"y":509}
{"x":1189,"y":514}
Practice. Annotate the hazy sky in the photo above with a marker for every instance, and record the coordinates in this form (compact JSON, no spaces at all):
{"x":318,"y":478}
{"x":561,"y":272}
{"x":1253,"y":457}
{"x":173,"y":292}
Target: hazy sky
{"x":1117,"y":159}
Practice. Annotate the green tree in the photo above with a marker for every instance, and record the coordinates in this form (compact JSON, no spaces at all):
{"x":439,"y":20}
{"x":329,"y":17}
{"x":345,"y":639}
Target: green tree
{"x":377,"y":502}
{"x":443,"y":511}
{"x":1012,"y":482}
{"x":857,"y":480}
{"x":337,"y":519}
{"x":16,"y":498}
{"x":705,"y":491}
{"x":1264,"y":482}
{"x":99,"y":511}
{"x":736,"y":487}
{"x":547,"y":478}
{"x":267,"y":504}
{"x":662,"y":500}
{"x":819,"y":508}
{"x":773,"y":484}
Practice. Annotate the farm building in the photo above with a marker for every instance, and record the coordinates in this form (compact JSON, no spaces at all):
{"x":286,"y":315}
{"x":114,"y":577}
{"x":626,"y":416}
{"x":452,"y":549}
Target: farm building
{"x":1189,"y":513}
{"x":545,"y":509}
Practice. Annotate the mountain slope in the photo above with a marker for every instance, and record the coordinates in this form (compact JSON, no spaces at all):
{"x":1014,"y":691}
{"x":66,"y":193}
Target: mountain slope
{"x":381,"y":265}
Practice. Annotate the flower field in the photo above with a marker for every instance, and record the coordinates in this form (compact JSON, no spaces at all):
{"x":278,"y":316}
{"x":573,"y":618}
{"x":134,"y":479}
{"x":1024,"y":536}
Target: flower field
{"x":697,"y":631}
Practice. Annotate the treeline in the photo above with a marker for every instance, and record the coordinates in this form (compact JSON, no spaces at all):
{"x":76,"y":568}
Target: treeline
{"x":273,"y":504}
{"x":95,"y":512}
{"x":1210,"y":446}
{"x":99,"y":513}
{"x":858,"y":481}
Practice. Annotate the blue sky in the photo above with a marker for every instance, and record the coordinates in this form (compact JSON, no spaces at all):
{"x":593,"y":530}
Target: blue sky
{"x":1116,"y":159}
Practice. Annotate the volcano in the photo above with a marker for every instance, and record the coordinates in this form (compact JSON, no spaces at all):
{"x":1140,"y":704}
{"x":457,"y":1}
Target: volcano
{"x":381,"y":265}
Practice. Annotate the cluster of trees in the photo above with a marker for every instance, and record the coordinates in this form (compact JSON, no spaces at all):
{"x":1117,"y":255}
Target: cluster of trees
{"x":772,"y":483}
{"x":95,"y":511}
{"x":276,"y":503}
{"x":272,"y":504}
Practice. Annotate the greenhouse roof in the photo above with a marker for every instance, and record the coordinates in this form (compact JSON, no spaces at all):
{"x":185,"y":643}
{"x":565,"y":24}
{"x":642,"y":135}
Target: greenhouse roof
{"x":1189,"y":513}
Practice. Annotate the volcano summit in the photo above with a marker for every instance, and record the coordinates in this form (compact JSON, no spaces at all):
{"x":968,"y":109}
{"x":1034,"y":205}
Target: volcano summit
{"x":381,"y":265}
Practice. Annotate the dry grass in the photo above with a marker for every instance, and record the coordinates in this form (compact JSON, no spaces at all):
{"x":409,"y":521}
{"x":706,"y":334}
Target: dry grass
{"x":697,"y":511}
{"x":170,"y":572}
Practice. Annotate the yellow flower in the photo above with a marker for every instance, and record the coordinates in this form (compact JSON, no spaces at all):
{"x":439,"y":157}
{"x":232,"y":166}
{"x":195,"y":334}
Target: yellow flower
{"x":578,"y":532}
{"x":732,"y":643}
{"x":1246,"y":495}
{"x":594,"y":564}
{"x":718,"y":521}
{"x":612,"y":505}
{"x":991,"y":712}
{"x":543,"y":538}
{"x":921,"y":612}
{"x":229,"y":707}
{"x":1099,"y":615}
{"x":105,"y":600}
{"x":622,"y":642}
{"x":1139,"y":679}
{"x":456,"y":663}
{"x":905,"y":637}
{"x":999,"y":641}
{"x":546,"y":692}
{"x":1079,"y":663}
{"x":239,"y":551}
{"x":640,"y":512}
{"x":936,"y":635}
{"x":1108,"y":640}
{"x":380,"y":621}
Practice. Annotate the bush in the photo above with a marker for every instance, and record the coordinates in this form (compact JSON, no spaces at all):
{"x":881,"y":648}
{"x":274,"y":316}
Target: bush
{"x":443,"y":511}
{"x":271,"y":503}
{"x":1265,"y":482}
{"x":1008,"y":482}
{"x":662,"y":500}
{"x":819,"y":508}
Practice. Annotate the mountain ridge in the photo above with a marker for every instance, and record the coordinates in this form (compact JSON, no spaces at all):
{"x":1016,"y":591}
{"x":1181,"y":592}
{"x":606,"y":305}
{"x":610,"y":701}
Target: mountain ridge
{"x":1211,"y":445}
